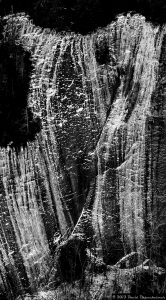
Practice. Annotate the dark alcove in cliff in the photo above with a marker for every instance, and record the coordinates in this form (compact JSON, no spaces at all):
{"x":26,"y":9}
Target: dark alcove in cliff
{"x":72,"y":258}
{"x":102,"y":53}
{"x":17,"y":123}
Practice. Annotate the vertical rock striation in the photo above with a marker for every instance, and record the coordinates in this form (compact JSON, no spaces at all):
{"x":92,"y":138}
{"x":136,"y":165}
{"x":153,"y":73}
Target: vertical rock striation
{"x":123,"y":202}
{"x":98,"y":164}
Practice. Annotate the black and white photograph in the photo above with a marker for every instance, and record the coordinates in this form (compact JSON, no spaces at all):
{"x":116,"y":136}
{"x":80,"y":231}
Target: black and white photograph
{"x":83,"y":150}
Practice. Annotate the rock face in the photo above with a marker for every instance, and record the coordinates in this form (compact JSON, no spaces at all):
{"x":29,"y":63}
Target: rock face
{"x":97,"y":167}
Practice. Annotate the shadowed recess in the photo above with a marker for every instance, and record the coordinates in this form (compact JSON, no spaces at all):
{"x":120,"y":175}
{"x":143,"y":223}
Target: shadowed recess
{"x":17,"y":123}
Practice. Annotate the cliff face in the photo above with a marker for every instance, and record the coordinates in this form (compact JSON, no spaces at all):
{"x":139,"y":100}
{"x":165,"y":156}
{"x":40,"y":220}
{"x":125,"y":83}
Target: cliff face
{"x":97,"y":166}
{"x":129,"y":148}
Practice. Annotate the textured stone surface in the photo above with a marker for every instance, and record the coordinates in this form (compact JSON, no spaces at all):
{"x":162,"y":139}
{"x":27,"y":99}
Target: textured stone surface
{"x":98,"y":164}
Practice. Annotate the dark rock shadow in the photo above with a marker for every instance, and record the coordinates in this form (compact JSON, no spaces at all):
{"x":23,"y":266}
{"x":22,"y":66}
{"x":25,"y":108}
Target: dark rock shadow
{"x":17,"y":122}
